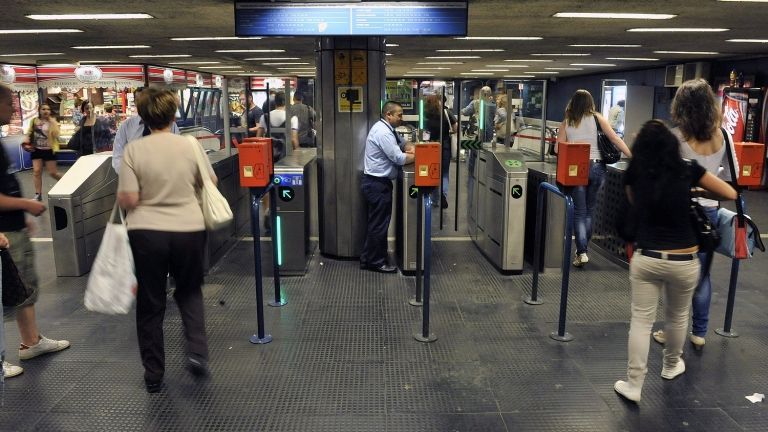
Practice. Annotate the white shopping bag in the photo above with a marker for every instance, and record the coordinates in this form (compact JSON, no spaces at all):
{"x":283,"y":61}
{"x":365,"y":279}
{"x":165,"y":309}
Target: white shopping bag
{"x":112,"y":283}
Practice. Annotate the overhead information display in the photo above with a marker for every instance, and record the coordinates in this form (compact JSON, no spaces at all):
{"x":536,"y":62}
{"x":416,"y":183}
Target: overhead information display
{"x":351,"y":19}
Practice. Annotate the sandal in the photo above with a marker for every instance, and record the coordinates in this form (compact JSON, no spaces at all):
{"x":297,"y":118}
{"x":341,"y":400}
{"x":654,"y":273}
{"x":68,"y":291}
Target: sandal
{"x":659,"y":336}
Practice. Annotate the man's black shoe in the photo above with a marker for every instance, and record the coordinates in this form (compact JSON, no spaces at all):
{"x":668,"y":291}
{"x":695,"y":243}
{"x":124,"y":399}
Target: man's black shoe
{"x":384,"y":268}
{"x":444,"y":202}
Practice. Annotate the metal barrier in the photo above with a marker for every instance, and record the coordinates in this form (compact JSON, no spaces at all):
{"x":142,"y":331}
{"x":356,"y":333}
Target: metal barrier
{"x":561,"y":335}
{"x":726,"y":330}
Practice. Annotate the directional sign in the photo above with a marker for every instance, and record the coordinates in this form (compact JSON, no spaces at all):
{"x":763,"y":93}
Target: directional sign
{"x":517,"y":191}
{"x":472,"y":144}
{"x":285,"y":193}
{"x":513,"y":163}
{"x":413,"y":192}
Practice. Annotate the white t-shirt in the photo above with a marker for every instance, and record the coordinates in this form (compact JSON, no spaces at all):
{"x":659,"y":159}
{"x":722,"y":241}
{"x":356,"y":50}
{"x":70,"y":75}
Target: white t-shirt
{"x":585,"y":132}
{"x":276,"y":120}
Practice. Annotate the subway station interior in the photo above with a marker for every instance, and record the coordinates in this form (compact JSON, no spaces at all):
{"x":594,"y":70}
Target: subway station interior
{"x":486,"y":323}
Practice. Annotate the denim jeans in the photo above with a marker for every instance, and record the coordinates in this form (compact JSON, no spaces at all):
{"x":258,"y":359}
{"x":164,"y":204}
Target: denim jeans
{"x":703,"y":294}
{"x":584,"y":201}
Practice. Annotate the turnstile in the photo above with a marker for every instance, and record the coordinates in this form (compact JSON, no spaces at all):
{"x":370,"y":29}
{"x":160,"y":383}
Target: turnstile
{"x":496,"y":211}
{"x":406,"y":205}
{"x":551,"y":257}
{"x":80,"y":204}
{"x":295,"y":174}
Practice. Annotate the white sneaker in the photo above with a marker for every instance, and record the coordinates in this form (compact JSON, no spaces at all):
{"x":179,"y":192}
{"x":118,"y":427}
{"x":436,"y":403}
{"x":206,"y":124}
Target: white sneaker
{"x":580,"y":260}
{"x":674,"y":371}
{"x":697,"y":341}
{"x":10,"y":371}
{"x":43,"y":346}
{"x":627,"y":390}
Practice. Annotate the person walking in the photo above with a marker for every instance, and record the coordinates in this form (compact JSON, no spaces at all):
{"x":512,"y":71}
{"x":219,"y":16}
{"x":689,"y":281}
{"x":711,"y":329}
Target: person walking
{"x":42,"y":141}
{"x":697,"y":113}
{"x":580,"y":125}
{"x":15,"y":226}
{"x":159,"y":187}
{"x":440,"y":122}
{"x":658,"y":184}
{"x":385,"y":153}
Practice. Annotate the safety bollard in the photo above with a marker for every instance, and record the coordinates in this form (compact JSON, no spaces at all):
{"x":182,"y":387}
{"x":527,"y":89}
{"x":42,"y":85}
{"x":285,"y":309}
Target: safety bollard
{"x":425,"y":201}
{"x":726,"y":331}
{"x":417,"y":299}
{"x":260,"y":337}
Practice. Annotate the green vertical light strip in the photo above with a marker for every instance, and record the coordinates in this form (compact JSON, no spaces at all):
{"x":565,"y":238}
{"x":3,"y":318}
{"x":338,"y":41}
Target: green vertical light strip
{"x":421,"y":114}
{"x":482,"y":115}
{"x":279,"y":242}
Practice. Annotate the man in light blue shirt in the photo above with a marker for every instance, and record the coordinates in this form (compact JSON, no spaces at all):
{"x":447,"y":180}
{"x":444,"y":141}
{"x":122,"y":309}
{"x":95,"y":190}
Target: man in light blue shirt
{"x":130,"y":130}
{"x":385,"y":153}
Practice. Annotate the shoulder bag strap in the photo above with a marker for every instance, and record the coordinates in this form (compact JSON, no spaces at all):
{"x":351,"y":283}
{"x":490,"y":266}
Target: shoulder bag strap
{"x":200,"y":162}
{"x":734,"y":178}
{"x":597,"y":123}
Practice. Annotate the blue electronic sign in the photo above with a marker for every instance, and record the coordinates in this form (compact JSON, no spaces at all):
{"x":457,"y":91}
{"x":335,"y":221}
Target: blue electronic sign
{"x":288,"y":179}
{"x":351,"y":19}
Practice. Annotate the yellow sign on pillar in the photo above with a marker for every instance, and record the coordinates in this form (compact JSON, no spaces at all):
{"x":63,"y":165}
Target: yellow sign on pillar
{"x":350,"y":98}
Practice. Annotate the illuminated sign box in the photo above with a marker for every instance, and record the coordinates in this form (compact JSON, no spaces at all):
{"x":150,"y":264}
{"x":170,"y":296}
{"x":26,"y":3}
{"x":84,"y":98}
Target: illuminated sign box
{"x":351,"y":19}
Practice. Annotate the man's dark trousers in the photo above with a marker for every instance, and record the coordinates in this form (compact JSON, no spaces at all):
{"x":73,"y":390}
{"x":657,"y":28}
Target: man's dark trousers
{"x":378,"y":195}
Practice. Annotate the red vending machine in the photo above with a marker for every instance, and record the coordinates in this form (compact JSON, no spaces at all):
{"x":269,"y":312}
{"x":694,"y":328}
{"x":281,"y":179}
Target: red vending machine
{"x":744,"y":115}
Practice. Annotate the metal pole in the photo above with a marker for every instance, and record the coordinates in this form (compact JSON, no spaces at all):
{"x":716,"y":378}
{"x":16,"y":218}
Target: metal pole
{"x":224,"y":109}
{"x":543,"y":117}
{"x":259,"y":338}
{"x":417,"y":300}
{"x":561,"y":334}
{"x":442,"y":121}
{"x":425,"y":335}
{"x":533,"y":299}
{"x":458,"y":162}
{"x":277,"y":237}
{"x":726,"y":330}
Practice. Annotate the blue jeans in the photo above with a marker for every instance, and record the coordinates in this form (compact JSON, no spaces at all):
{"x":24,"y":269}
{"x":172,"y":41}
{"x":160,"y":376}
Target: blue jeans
{"x":702,"y":296}
{"x":584,"y":201}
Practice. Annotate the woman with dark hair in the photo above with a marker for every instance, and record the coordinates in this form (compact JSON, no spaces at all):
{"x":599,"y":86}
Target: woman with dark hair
{"x":159,"y":187}
{"x":697,"y":113}
{"x":580,"y":126}
{"x":658,"y":183}
{"x":43,"y":142}
{"x":440,"y":122}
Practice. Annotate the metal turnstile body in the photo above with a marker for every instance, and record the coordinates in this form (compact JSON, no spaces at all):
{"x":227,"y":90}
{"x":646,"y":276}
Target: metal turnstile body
{"x":406,"y":205}
{"x":497,"y":201}
{"x":554,"y":218}
{"x":294,"y":176}
{"x":80,"y":204}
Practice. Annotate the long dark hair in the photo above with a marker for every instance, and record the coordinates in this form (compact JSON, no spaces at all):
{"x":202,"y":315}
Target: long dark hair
{"x":656,"y":156}
{"x":695,"y":110}
{"x":581,"y":104}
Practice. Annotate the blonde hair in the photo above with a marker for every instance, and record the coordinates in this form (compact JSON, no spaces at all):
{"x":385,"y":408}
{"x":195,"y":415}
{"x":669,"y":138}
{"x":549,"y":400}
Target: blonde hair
{"x":157,"y":107}
{"x":501,"y":101}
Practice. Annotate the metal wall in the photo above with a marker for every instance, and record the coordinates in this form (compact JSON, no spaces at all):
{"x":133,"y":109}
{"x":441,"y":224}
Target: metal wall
{"x":341,"y":143}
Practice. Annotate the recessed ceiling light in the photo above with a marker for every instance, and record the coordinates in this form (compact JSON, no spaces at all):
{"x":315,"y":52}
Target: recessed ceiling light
{"x":687,"y":52}
{"x":519,"y":76}
{"x":221,"y":67}
{"x":507,"y":66}
{"x":271,"y":58}
{"x":476,"y":73}
{"x":250,"y":51}
{"x":561,"y":55}
{"x":453,"y":57}
{"x":542,"y":72}
{"x":632,"y":58}
{"x":215,"y":38}
{"x":753,"y":1}
{"x":471,"y":50}
{"x":613,"y":15}
{"x":194,"y":63}
{"x":89,"y":16}
{"x":564,"y":68}
{"x":286,"y":63}
{"x":499,"y":38}
{"x":98,"y":61}
{"x":530,"y":60}
{"x":389,"y":54}
{"x":35,"y":31}
{"x":441,"y":63}
{"x":110,"y":46}
{"x":592,"y":64}
{"x":392,"y":45}
{"x":678,"y":30}
{"x":605,"y":46}
{"x":489,"y":70}
{"x":292,"y":68}
{"x":431,"y":68}
{"x":748,"y":40}
{"x":31,"y":54}
{"x":160,"y":55}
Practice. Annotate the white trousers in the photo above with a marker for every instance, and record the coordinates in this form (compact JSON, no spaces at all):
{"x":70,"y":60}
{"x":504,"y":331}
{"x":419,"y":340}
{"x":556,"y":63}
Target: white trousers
{"x":649,"y":276}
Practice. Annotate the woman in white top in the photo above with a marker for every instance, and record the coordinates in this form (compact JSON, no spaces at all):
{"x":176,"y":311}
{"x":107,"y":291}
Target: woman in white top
{"x":697,"y":114}
{"x":580,"y":126}
{"x":42,"y":141}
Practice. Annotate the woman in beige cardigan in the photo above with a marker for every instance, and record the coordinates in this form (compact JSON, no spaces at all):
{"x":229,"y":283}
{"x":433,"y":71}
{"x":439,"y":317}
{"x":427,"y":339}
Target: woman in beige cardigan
{"x":43,"y":142}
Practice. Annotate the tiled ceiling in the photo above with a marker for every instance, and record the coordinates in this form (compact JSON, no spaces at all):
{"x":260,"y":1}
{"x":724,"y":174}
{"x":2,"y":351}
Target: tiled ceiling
{"x":487,"y":18}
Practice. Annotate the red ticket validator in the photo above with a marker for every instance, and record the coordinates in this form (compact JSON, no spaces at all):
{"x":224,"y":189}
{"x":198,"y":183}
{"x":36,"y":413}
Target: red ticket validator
{"x":573,"y":164}
{"x":428,"y":164}
{"x":255,"y":156}
{"x":751,"y":157}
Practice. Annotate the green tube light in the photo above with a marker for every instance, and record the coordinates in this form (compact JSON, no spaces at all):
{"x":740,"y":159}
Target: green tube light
{"x":421,"y":114}
{"x":279,"y":241}
{"x":482,"y":115}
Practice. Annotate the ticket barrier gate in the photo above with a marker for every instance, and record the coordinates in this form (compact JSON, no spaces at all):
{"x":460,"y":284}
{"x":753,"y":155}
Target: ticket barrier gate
{"x":551,"y":250}
{"x":80,"y":204}
{"x":406,"y":204}
{"x":294,"y":175}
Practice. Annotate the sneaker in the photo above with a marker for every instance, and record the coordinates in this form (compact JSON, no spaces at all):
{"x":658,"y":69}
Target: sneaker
{"x":628,"y":391}
{"x":38,"y":197}
{"x":674,"y":371}
{"x":43,"y":346}
{"x":697,"y":341}
{"x":197,"y":366}
{"x":580,"y":260}
{"x":659,"y":337}
{"x":10,"y":371}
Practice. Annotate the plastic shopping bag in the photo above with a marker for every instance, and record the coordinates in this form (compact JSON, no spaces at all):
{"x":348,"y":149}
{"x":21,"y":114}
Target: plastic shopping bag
{"x":112,"y":283}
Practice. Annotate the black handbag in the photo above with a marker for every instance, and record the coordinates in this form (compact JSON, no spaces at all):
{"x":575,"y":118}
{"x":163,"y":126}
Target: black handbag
{"x":15,"y":291}
{"x":706,"y":233}
{"x":608,"y":151}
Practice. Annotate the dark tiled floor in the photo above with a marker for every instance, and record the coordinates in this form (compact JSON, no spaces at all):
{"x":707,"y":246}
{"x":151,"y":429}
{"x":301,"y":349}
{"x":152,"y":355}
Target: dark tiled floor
{"x":344,"y":358}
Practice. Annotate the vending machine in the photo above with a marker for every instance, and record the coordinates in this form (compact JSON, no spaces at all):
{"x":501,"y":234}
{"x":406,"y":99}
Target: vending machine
{"x":744,"y":115}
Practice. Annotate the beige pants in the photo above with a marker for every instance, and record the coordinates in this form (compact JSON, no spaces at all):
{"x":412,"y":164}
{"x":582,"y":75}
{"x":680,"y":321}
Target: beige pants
{"x":649,"y":276}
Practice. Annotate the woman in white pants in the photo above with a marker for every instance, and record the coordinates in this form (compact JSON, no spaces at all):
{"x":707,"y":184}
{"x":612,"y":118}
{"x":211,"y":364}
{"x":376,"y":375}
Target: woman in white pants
{"x":658,"y":183}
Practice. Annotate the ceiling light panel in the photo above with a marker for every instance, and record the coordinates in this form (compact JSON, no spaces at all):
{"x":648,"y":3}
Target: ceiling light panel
{"x":89,"y":16}
{"x":476,"y":73}
{"x":614,"y":15}
{"x":542,"y":72}
{"x":160,"y":55}
{"x":98,"y":61}
{"x":507,"y":66}
{"x":32,"y":54}
{"x":215,"y":38}
{"x":592,"y":64}
{"x":84,"y":47}
{"x":286,"y":63}
{"x":605,"y":46}
{"x":440,"y":63}
{"x":530,"y":60}
{"x":564,"y":68}
{"x":194,"y":63}
{"x":632,"y":58}
{"x":561,"y":55}
{"x":489,"y":70}
{"x":518,"y":38}
{"x":678,"y":30}
{"x":471,"y":50}
{"x":271,"y":58}
{"x":519,"y":76}
{"x":453,"y":57}
{"x":251,"y":51}
{"x":221,"y":67}
{"x":748,"y":40}
{"x":36,"y":31}
{"x":687,"y":52}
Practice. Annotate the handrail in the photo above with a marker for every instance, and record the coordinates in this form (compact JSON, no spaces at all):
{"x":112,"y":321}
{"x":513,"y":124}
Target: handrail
{"x":561,"y":334}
